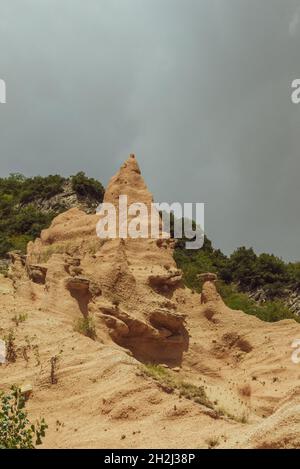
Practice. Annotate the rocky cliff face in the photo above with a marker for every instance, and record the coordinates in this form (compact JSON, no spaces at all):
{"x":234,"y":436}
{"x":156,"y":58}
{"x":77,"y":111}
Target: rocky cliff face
{"x":293,"y":301}
{"x":132,"y":292}
{"x":291,"y":298}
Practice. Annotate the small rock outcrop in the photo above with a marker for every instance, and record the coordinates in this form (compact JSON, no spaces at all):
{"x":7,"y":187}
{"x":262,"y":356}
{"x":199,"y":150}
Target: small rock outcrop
{"x":209,"y":289}
{"x":37,"y":273}
{"x":165,"y":281}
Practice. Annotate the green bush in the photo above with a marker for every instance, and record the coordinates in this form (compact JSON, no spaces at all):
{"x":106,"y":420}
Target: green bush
{"x":21,"y":223}
{"x":294,"y":272}
{"x":266,"y":271}
{"x":270,"y":311}
{"x":86,"y":326}
{"x":21,"y":226}
{"x":39,"y":186}
{"x":194,"y":262}
{"x":16,"y":431}
{"x":85,"y":186}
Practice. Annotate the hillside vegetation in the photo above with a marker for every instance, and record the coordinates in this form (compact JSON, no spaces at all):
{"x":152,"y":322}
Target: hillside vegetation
{"x":21,"y":219}
{"x":241,"y":274}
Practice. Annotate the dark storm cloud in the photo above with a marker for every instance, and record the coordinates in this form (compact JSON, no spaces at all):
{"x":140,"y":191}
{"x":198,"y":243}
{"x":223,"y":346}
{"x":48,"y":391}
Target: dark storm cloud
{"x":198,"y":89}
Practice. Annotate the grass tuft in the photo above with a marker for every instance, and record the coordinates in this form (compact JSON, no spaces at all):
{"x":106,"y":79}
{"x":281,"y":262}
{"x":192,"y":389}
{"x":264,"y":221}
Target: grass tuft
{"x":166,"y":379}
{"x":86,"y":327}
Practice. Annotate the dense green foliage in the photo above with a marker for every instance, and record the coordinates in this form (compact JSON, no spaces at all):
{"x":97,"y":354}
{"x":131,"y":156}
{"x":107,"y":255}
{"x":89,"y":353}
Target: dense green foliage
{"x":21,"y":220}
{"x":16,"y":431}
{"x":244,"y":268}
{"x":265,"y":271}
{"x":40,"y":186}
{"x":25,"y":190}
{"x":271,"y":311}
{"x":242,"y":272}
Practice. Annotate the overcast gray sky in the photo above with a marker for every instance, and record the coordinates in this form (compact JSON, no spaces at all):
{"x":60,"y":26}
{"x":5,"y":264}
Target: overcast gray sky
{"x":198,"y":89}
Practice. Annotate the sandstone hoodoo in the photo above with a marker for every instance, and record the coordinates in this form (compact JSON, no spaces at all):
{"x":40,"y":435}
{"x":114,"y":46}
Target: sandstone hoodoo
{"x":131,"y":272}
{"x":209,"y":289}
{"x":139,"y":359}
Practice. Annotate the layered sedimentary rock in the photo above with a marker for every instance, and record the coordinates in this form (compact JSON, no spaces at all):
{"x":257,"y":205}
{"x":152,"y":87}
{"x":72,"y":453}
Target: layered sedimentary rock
{"x":133,"y":292}
{"x":123,"y":284}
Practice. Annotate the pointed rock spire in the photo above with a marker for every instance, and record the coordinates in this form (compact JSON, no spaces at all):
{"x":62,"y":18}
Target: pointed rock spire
{"x":128,"y":181}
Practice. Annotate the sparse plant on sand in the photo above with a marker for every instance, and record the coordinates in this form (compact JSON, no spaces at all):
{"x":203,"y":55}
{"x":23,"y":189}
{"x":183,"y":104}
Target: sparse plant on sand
{"x":172,"y":383}
{"x":24,"y":351}
{"x":36,"y":352}
{"x":59,"y":248}
{"x":243,"y":419}
{"x":16,"y":431}
{"x":54,"y":362}
{"x":30,"y":346}
{"x":212,"y":442}
{"x":11,"y":350}
{"x":240,"y":418}
{"x":86,"y":326}
{"x":18,"y":318}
